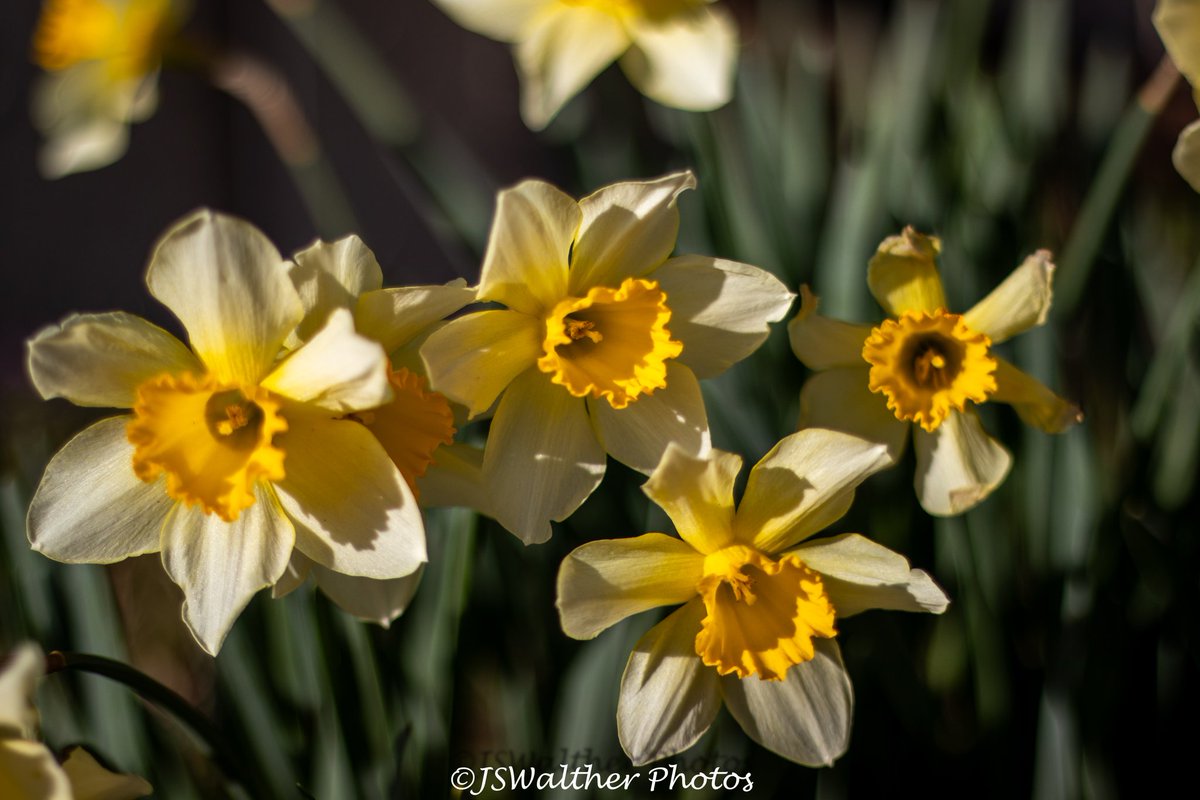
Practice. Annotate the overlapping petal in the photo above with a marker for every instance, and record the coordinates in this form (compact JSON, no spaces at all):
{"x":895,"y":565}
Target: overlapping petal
{"x":958,"y":465}
{"x":331,"y":275}
{"x":839,"y":399}
{"x":859,"y":574}
{"x":697,"y":494}
{"x":378,"y":601}
{"x":473,"y":358}
{"x":90,"y":781}
{"x":28,"y":769}
{"x":687,"y":60}
{"x":1021,"y":301}
{"x":822,"y":342}
{"x":394,"y":316}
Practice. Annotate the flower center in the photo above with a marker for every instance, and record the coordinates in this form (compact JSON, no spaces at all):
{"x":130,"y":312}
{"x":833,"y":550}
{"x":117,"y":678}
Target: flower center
{"x":612,"y":343}
{"x":762,"y":613}
{"x":928,"y":364}
{"x":213,"y":440}
{"x":128,"y":36}
{"x":411,"y":427}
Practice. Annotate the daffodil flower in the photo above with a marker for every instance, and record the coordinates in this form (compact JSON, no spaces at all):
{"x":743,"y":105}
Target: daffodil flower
{"x":101,"y":59}
{"x":1178,"y":24}
{"x":28,"y":770}
{"x":600,"y":343}
{"x":924,"y":368}
{"x":232,"y":457}
{"x":760,"y":598}
{"x":681,"y":53}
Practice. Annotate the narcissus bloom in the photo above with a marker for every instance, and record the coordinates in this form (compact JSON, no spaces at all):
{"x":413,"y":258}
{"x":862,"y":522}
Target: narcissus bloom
{"x":233,"y":456}
{"x":924,"y":368}
{"x":1178,"y":23}
{"x":101,"y":59}
{"x":599,"y":346}
{"x":28,"y":770}
{"x":761,"y":599}
{"x":681,"y":53}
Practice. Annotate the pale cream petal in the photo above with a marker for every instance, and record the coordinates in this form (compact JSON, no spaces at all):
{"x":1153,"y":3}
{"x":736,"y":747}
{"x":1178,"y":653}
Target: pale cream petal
{"x":1186,"y":155}
{"x":638,"y":434}
{"x":100,"y":359}
{"x":668,"y":697}
{"x":628,"y":229}
{"x":90,"y":507}
{"x":20,"y":669}
{"x":229,"y":286}
{"x":559,"y":54}
{"x":805,"y":717}
{"x":378,"y":601}
{"x":499,"y":19}
{"x":331,"y":275}
{"x":455,"y":478}
{"x":823,"y":342}
{"x":221,"y":565}
{"x":525,"y":266}
{"x":1019,"y":303}
{"x":1178,"y":23}
{"x":353,"y":511}
{"x":697,"y":494}
{"x":337,"y":369}
{"x":903,"y":275}
{"x":90,"y":781}
{"x":860,"y":574}
{"x":1033,"y":401}
{"x":840,"y":400}
{"x":603,"y":582}
{"x":299,"y":565}
{"x":686,"y":60}
{"x":720,"y":310}
{"x":958,"y":465}
{"x":394,"y":316}
{"x":542,"y":459}
{"x":85,"y":117}
{"x":805,"y":483}
{"x":473,"y":358}
{"x":28,"y":771}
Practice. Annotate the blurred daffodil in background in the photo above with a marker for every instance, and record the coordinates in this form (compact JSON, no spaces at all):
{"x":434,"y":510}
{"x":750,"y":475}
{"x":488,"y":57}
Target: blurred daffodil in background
{"x":681,"y":53}
{"x":924,"y":368}
{"x":761,"y":598}
{"x":1178,"y":23}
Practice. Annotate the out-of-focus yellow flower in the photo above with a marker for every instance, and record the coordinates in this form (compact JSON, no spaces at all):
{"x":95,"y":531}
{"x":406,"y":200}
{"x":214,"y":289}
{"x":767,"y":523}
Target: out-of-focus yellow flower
{"x":233,"y":456}
{"x":28,"y":770}
{"x":681,"y":53}
{"x":761,"y":598}
{"x":1178,"y":23}
{"x":600,"y":345}
{"x":101,"y":59}
{"x":924,"y":367}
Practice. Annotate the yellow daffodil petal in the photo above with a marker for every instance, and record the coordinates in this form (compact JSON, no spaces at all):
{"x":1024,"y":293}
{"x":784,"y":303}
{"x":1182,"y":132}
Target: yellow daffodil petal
{"x":639,"y":434}
{"x":28,"y":770}
{"x":686,"y":60}
{"x":628,"y":229}
{"x":498,"y":19}
{"x":101,"y":359}
{"x":958,"y":465}
{"x":668,"y":697}
{"x":1178,"y":23}
{"x":903,"y":274}
{"x":473,"y":358}
{"x":1019,"y":303}
{"x":859,"y":574}
{"x":542,"y":459}
{"x":20,"y":670}
{"x":823,"y":342}
{"x":85,"y":119}
{"x":228,"y":285}
{"x":328,"y":276}
{"x":393,"y":317}
{"x":1186,"y":155}
{"x":298,"y":568}
{"x":1033,"y":401}
{"x":221,"y":565}
{"x":839,"y":399}
{"x":525,"y":266}
{"x":378,"y":601}
{"x":353,"y":511}
{"x":603,"y":582}
{"x":805,"y":717}
{"x":91,"y":508}
{"x":720,"y":309}
{"x":697,"y":494}
{"x":455,"y":479}
{"x":802,"y":485}
{"x":90,"y":781}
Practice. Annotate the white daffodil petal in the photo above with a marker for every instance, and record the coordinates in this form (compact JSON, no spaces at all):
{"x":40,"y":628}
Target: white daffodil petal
{"x":1178,"y":23}
{"x":686,"y":60}
{"x":668,"y":697}
{"x":823,"y":342}
{"x":85,"y":116}
{"x":473,"y":358}
{"x":330,"y":275}
{"x":542,"y":458}
{"x":372,"y":600}
{"x":697,"y":494}
{"x":603,"y":582}
{"x":353,"y":511}
{"x":393,"y":317}
{"x":806,"y":482}
{"x":958,"y":465}
{"x":221,"y":565}
{"x":455,"y":478}
{"x":628,"y":229}
{"x":1019,"y":303}
{"x":903,"y":275}
{"x":525,"y":266}
{"x":90,"y":781}
{"x":337,"y":369}
{"x":19,"y":673}
{"x":498,"y":19}
{"x":839,"y":399}
{"x":90,"y":507}
{"x":100,"y":359}
{"x":228,"y":285}
{"x":720,"y":310}
{"x":28,"y":770}
{"x":1186,"y":155}
{"x":638,"y":434}
{"x":299,"y":565}
{"x":1032,"y":400}
{"x":859,"y":574}
{"x":805,"y":717}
